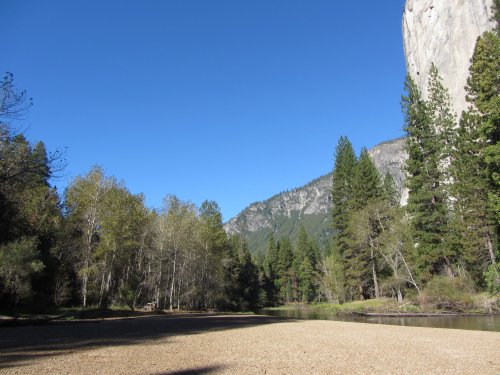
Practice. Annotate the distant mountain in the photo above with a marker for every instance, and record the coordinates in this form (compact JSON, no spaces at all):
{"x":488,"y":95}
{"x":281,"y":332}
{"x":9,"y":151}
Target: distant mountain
{"x":309,"y":205}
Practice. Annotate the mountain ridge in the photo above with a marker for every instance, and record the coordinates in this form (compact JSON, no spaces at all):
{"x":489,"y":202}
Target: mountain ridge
{"x":308,"y":205}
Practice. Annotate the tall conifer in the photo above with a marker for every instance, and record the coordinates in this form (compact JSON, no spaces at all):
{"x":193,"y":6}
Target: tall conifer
{"x":483,"y":89}
{"x":360,"y":259}
{"x":343,"y":174}
{"x":426,"y":180}
{"x":476,"y":163}
{"x":472,"y":220}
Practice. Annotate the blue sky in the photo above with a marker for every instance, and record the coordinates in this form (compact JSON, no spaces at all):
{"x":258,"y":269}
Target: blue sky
{"x":232,"y":101}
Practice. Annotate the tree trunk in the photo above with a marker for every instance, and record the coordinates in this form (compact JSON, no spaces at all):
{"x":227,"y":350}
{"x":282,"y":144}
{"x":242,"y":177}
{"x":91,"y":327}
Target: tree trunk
{"x":84,"y":290}
{"x":101,"y":291}
{"x":400,"y":295}
{"x":490,"y":248}
{"x":171,"y":300}
{"x":158,"y":289}
{"x":374,"y":275}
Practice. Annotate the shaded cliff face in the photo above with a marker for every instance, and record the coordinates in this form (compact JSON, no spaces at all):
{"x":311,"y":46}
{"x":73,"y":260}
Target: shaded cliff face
{"x":444,"y":32}
{"x":308,"y":205}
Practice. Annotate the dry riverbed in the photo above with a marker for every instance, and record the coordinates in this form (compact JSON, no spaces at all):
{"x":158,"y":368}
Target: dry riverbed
{"x":240,"y":344}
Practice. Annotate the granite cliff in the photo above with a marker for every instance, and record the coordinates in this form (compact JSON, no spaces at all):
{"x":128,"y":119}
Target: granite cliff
{"x":444,"y":32}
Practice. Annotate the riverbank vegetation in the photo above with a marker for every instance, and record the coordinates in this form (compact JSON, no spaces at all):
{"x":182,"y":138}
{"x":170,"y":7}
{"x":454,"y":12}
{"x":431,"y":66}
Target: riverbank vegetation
{"x":478,"y":303}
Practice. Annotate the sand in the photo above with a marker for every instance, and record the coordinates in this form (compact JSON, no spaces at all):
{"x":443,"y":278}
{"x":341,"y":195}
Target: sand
{"x":239,"y":344}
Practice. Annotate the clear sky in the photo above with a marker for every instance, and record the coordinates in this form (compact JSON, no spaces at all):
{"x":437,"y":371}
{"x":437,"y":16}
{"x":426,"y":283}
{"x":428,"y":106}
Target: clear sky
{"x":232,"y":101}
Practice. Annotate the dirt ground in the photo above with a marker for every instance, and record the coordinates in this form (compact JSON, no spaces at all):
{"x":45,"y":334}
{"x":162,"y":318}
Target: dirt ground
{"x":240,"y":344}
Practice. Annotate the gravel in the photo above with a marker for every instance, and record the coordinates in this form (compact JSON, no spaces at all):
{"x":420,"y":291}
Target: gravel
{"x":243,"y":344}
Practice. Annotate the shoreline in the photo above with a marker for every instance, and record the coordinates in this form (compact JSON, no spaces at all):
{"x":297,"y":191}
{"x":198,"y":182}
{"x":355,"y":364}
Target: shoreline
{"x":46,"y":319}
{"x":423,"y":315}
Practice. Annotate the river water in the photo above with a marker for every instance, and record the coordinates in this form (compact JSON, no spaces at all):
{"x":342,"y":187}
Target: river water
{"x":478,"y":323}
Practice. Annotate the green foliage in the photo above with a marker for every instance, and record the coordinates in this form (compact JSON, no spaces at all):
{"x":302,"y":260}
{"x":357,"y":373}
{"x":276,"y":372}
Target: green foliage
{"x":360,"y":258}
{"x":241,"y":277}
{"x":390,"y":192}
{"x":30,"y":216}
{"x":305,"y":247}
{"x":318,"y":227}
{"x":19,"y":262}
{"x":342,"y":190}
{"x":448,"y":293}
{"x":284,"y":270}
{"x":492,"y":277}
{"x":428,"y":152}
{"x":483,"y":89}
{"x":127,"y":292}
{"x":366,"y":184}
{"x":306,"y":278}
{"x":332,"y":280}
{"x":271,"y":258}
{"x":473,"y":225}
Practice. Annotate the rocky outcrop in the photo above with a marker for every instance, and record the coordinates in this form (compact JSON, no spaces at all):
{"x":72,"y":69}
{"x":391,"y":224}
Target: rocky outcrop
{"x":390,"y":157}
{"x":444,"y":32}
{"x":309,"y":205}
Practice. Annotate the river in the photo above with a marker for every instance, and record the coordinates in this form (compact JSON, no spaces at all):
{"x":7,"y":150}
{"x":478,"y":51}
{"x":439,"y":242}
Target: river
{"x":478,"y":323}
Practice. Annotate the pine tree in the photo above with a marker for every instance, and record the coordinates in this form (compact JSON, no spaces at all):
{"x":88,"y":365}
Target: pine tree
{"x":269,"y":267}
{"x":366,"y":184}
{"x":285,"y":271}
{"x":343,"y":173}
{"x":483,"y":89}
{"x":476,"y":161}
{"x":306,"y":279}
{"x":473,"y":222}
{"x":241,"y":276}
{"x":361,"y":269}
{"x":426,"y":181}
{"x":304,"y":248}
{"x":306,"y":255}
{"x":390,"y":192}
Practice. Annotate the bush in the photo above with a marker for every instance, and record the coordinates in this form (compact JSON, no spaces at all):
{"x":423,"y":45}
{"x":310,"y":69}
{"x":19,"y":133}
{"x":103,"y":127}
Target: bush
{"x":492,"y":279}
{"x":448,"y":293}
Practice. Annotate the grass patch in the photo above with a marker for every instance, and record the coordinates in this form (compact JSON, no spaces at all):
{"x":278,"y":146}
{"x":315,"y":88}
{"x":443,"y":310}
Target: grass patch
{"x":373,"y":305}
{"x":380,"y":305}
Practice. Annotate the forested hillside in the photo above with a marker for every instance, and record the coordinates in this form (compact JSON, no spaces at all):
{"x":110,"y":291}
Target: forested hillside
{"x":309,"y":206}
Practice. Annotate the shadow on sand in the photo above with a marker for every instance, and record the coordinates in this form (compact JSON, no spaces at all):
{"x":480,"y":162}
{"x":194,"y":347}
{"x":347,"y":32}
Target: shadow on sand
{"x":194,"y":371}
{"x":23,"y":344}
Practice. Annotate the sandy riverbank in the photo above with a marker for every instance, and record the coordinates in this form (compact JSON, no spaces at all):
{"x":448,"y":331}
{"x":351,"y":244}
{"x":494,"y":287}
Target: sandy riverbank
{"x":238,"y":344}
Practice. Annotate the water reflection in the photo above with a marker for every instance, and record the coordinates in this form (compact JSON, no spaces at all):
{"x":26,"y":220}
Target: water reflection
{"x":478,"y":323}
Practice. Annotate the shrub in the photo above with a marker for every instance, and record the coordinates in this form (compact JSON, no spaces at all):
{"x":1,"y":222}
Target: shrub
{"x":448,"y":293}
{"x":492,"y":279}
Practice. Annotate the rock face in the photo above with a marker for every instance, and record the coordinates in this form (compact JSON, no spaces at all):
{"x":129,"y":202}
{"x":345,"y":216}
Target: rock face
{"x":309,"y":205}
{"x":444,"y":32}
